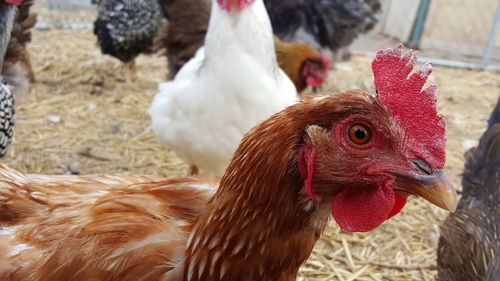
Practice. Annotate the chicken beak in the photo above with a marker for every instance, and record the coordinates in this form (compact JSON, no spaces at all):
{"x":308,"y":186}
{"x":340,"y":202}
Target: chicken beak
{"x":435,"y":187}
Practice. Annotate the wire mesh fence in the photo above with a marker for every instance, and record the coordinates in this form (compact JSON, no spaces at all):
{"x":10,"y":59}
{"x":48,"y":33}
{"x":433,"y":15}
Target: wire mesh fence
{"x":457,"y":33}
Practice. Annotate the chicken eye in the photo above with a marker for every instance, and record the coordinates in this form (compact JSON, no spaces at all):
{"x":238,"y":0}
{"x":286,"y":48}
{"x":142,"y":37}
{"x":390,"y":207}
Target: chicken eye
{"x":359,"y":134}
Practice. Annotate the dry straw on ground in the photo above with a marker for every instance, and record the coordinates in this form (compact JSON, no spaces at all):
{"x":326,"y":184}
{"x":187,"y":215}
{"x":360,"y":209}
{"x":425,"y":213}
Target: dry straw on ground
{"x":83,"y":118}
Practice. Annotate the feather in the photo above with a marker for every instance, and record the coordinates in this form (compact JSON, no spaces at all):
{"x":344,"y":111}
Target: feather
{"x":324,"y":24}
{"x":126,"y":28}
{"x":110,"y":227}
{"x":184,"y":33}
{"x":469,"y":246}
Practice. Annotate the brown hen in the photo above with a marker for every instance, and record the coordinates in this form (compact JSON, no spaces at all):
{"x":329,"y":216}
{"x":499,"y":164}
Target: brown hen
{"x":343,"y":156}
{"x":302,"y":63}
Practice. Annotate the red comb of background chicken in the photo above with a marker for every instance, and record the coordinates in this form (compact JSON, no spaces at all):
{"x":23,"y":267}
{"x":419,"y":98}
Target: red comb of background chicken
{"x":228,"y":4}
{"x":414,"y":108}
{"x":13,"y":1}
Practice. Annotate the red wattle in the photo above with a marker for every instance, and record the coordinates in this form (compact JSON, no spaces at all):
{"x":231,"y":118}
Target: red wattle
{"x":399,"y":203}
{"x":314,"y":81}
{"x":242,"y":4}
{"x":306,"y":168}
{"x":363,"y":209}
{"x":225,"y":4}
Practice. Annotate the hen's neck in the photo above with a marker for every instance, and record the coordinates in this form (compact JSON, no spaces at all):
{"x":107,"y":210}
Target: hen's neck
{"x":7,"y":13}
{"x":260,"y":224}
{"x":249,"y":31}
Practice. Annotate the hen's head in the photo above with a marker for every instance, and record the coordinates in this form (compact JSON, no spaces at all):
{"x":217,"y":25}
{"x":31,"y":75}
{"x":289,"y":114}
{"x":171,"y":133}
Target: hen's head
{"x":367,"y":154}
{"x":240,"y":4}
{"x":302,"y":63}
{"x":315,"y":70}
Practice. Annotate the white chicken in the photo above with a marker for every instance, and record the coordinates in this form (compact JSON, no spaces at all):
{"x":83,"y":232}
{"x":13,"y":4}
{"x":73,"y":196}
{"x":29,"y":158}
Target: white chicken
{"x":233,"y":83}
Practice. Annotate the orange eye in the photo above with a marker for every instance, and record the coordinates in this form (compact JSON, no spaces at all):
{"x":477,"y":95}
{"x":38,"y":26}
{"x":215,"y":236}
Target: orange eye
{"x":359,"y":134}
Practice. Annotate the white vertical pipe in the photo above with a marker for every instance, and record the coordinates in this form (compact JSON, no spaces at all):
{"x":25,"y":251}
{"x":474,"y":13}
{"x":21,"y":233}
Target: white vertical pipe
{"x":491,"y":41}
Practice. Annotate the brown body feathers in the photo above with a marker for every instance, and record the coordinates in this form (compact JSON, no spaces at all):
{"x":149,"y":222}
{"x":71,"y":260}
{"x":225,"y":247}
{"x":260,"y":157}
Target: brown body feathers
{"x":184,"y":33}
{"x":94,"y":227}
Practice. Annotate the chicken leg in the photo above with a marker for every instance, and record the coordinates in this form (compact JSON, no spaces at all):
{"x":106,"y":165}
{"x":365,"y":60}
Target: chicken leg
{"x":193,"y":170}
{"x":130,"y":71}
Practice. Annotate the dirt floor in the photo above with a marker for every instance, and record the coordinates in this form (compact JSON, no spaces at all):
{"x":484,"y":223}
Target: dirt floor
{"x":82,"y":117}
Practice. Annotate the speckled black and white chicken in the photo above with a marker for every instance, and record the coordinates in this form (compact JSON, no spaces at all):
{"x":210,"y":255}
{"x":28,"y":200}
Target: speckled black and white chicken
{"x":469,"y":247}
{"x":126,"y":28}
{"x":7,"y":14}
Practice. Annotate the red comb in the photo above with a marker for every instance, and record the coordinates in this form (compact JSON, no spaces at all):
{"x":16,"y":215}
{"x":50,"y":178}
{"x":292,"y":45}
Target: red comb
{"x":413,"y":107}
{"x":228,"y":4}
{"x":14,"y":1}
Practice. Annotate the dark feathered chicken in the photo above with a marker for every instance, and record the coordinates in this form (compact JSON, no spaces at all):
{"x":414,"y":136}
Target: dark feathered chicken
{"x":7,"y":14}
{"x":469,"y":247}
{"x":17,"y":69}
{"x":126,"y":28}
{"x":326,"y":24}
{"x":185,"y":31}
